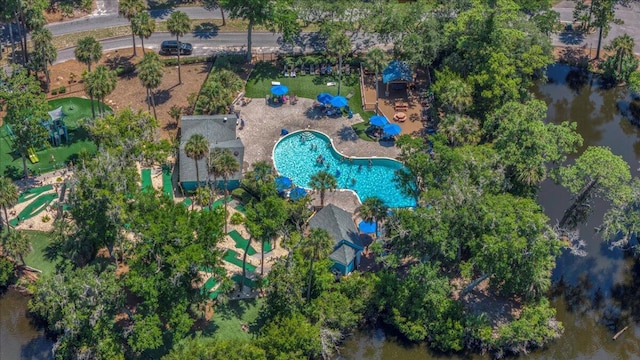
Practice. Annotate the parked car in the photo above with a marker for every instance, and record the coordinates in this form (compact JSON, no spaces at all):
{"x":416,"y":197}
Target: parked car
{"x":170,"y":47}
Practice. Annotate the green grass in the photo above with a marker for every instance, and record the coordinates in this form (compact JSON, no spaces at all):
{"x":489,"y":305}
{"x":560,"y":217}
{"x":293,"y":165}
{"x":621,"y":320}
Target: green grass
{"x":34,"y":208}
{"x":167,"y":185}
{"x":33,"y":192}
{"x":75,"y":109}
{"x":305,"y":86}
{"x":36,"y":259}
{"x":233,"y":257}
{"x":227,"y":321}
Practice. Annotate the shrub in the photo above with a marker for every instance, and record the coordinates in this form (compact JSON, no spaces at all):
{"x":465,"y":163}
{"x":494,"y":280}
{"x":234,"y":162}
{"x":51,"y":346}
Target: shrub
{"x":54,"y":91}
{"x":62,"y":90}
{"x":125,"y":70}
{"x":46,"y":219}
{"x":242,"y":195}
{"x":237,"y":219}
{"x":7,"y":272}
{"x":634,"y":84}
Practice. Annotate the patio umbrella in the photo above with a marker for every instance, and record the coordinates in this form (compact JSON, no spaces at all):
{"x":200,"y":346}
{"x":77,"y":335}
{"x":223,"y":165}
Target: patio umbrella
{"x":297,"y":193}
{"x":279,"y":90}
{"x":324,"y":98}
{"x":339,"y":101}
{"x":378,"y":120}
{"x":283,"y":183}
{"x":367,"y":227}
{"x":392,"y":129}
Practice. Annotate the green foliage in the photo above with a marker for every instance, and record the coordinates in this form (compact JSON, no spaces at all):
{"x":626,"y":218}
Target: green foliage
{"x":633,"y":84}
{"x":7,"y":272}
{"x":210,"y":348}
{"x":80,"y":306}
{"x":321,"y":182}
{"x":88,"y":51}
{"x":291,"y":337}
{"x":187,"y":61}
{"x":237,"y":219}
{"x":621,"y":221}
{"x":535,"y":327}
{"x":99,"y":84}
{"x":16,"y":244}
{"x":218,"y":92}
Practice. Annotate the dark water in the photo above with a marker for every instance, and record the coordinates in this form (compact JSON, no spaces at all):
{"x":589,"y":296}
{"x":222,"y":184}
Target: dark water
{"x":594,"y":296}
{"x":19,"y":339}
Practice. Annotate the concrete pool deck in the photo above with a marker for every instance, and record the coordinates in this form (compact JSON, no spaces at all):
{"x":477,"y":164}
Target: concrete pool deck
{"x":262,"y":130}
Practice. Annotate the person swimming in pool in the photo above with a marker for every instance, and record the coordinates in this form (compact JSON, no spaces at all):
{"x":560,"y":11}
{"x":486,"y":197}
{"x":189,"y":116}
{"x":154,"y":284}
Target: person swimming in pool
{"x":337,"y":173}
{"x":360,"y":167}
{"x":370,"y":163}
{"x":353,"y":181}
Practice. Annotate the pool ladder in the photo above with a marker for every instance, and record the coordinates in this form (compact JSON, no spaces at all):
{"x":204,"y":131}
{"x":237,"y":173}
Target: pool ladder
{"x":307,"y":136}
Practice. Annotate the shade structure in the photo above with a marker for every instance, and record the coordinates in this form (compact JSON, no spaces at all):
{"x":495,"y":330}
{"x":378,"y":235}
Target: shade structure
{"x":339,"y":101}
{"x":367,"y":227}
{"x":392,"y":129}
{"x":297,"y":193}
{"x":282,"y":183}
{"x":378,"y":120}
{"x":279,"y":90}
{"x":324,"y":98}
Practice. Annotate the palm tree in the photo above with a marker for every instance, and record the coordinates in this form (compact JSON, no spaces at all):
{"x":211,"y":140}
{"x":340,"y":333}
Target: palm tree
{"x":224,"y":164}
{"x":373,"y":209}
{"x":17,"y":244}
{"x":376,"y":61}
{"x":99,"y":84}
{"x":323,"y":181}
{"x":196,"y":148}
{"x":8,"y":197}
{"x":143,"y":25}
{"x":150,"y":73}
{"x":128,"y":9}
{"x":316,"y":246}
{"x":178,"y":25}
{"x":88,"y":51}
{"x":623,"y":47}
{"x":44,"y":52}
{"x":340,"y":45}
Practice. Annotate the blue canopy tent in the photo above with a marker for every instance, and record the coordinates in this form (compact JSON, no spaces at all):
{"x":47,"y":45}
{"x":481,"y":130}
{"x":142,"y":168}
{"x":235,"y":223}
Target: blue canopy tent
{"x":367,"y":227}
{"x":297,"y":193}
{"x":392,"y":129}
{"x":282,"y":183}
{"x":279,"y":90}
{"x":378,"y":120}
{"x":324,"y":98}
{"x":398,"y":73}
{"x":339,"y":101}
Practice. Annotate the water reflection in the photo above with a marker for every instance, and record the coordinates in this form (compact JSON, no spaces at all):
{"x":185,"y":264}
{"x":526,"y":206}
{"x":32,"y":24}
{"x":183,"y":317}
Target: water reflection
{"x":18,"y":337}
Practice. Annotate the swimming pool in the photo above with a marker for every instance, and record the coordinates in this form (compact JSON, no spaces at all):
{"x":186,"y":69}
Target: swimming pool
{"x":295,"y":155}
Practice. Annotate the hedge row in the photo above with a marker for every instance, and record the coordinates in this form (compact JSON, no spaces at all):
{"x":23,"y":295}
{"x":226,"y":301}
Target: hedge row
{"x":188,"y":60}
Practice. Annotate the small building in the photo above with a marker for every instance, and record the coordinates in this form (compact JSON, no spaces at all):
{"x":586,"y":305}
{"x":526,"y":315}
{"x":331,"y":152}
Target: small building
{"x":398,"y":75}
{"x":347,"y":248}
{"x":220,"y":131}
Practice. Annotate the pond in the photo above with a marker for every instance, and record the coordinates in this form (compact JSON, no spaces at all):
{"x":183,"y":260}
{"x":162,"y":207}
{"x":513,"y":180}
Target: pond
{"x":596,"y":295}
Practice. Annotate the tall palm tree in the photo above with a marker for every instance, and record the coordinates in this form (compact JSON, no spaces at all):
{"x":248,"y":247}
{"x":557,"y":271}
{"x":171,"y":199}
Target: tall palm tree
{"x":178,"y":25}
{"x":17,"y":244}
{"x":44,"y":52}
{"x":316,"y":246}
{"x":339,"y":45}
{"x":373,"y":209}
{"x":150,"y":73}
{"x":8,"y":197}
{"x":128,"y":9}
{"x":196,"y":148}
{"x":376,"y":61}
{"x":323,"y":181}
{"x":224,"y":165}
{"x":88,"y":51}
{"x":99,"y":84}
{"x":143,"y":25}
{"x":623,"y":47}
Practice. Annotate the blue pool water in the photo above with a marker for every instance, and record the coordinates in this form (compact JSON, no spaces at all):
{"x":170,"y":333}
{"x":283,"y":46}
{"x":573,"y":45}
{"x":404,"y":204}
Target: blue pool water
{"x":294,"y":156}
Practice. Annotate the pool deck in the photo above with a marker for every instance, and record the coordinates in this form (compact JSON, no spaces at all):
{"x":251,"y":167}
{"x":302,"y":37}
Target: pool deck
{"x":262,"y":130}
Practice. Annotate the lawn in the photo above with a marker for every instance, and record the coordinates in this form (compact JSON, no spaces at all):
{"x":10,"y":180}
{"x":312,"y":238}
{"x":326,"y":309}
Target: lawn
{"x":228,"y":319}
{"x":305,"y":86}
{"x":52,"y":158}
{"x":36,"y":259}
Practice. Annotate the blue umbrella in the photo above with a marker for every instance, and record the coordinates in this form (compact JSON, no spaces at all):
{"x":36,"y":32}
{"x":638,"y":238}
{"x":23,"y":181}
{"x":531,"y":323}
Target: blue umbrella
{"x":297,"y":193}
{"x":392,"y":129}
{"x":283,"y":183}
{"x":378,"y":120}
{"x":279,"y":90}
{"x":339,"y":101}
{"x":324,"y":98}
{"x":367,"y":227}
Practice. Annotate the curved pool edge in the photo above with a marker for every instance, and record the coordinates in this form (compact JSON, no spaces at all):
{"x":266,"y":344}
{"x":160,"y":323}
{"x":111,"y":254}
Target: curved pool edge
{"x":273,"y":149}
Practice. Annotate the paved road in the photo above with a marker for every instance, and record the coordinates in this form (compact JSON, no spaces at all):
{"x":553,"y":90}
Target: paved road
{"x":629,"y":14}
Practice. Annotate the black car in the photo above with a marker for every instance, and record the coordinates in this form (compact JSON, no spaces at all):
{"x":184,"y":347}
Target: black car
{"x":170,"y":47}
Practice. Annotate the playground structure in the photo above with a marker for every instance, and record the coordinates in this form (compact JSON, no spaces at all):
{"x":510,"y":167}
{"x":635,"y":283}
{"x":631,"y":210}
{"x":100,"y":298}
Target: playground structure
{"x":57,"y":128}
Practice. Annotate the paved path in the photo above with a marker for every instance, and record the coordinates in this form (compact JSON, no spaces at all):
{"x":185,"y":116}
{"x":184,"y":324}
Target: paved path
{"x":629,"y":14}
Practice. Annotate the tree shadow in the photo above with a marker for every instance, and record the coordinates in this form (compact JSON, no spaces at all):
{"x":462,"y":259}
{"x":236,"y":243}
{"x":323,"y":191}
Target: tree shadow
{"x":347,"y":133}
{"x":311,"y":40}
{"x":38,"y":348}
{"x":162,"y":96}
{"x":205,"y":31}
{"x":571,"y":37}
{"x":314,"y":113}
{"x":161,"y":9}
{"x":264,"y":71}
{"x":13,"y":172}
